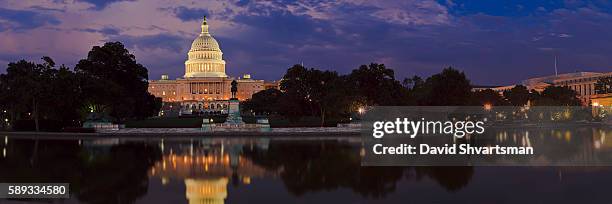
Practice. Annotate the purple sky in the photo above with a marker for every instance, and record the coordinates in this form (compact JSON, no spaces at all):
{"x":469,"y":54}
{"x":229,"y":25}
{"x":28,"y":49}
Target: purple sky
{"x":494,"y":42}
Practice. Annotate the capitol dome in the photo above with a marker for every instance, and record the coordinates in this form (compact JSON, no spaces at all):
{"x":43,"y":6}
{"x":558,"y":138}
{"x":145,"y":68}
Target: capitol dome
{"x":205,"y":58}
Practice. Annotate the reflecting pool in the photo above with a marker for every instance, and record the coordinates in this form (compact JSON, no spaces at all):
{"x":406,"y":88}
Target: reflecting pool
{"x":293,"y":170}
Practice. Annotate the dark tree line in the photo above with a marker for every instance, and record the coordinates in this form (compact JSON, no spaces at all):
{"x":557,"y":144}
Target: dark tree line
{"x":97,"y":174}
{"x":109,"y":81}
{"x":327,"y":94}
{"x":312,"y":166}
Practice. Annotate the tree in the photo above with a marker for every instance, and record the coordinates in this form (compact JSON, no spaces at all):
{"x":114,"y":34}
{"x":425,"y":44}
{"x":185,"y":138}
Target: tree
{"x":297,"y":92}
{"x":489,"y":96}
{"x":314,"y":92}
{"x":264,"y":102}
{"x":26,"y":87}
{"x":330,"y":94}
{"x":377,"y":84}
{"x":557,"y":96}
{"x":518,"y":95}
{"x":114,"y":83}
{"x":41,"y":91}
{"x":448,"y":88}
{"x":603,"y":85}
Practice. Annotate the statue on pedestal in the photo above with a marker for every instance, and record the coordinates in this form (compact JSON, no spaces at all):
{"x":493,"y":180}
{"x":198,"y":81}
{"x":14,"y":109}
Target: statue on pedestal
{"x":233,"y":116}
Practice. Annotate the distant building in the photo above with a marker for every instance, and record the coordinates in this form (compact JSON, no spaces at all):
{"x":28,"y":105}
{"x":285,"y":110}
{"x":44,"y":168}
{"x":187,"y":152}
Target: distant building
{"x":272,"y":85}
{"x":602,"y":100}
{"x":205,"y":87}
{"x":584,"y":85}
{"x":581,"y":82}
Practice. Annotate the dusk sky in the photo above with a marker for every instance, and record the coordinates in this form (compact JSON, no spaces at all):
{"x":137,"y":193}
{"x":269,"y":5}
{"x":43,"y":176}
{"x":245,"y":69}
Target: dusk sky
{"x":493,"y":42}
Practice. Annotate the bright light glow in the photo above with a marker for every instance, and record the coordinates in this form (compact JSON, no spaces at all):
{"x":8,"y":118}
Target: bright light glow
{"x":360,"y":110}
{"x":488,"y":106}
{"x":6,"y":120}
{"x":595,"y":104}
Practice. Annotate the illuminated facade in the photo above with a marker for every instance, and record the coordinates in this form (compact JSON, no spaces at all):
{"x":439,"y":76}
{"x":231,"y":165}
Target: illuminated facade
{"x":581,"y":82}
{"x":584,"y":86}
{"x":205,"y":85}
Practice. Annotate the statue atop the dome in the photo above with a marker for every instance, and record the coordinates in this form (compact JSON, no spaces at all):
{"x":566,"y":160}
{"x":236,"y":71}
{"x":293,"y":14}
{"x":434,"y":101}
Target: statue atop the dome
{"x":234,"y":88}
{"x":204,"y":26}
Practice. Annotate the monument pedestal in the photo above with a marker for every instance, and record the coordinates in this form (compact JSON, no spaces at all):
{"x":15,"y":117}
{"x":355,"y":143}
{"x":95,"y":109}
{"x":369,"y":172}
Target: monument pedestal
{"x":233,"y":116}
{"x":234,"y":122}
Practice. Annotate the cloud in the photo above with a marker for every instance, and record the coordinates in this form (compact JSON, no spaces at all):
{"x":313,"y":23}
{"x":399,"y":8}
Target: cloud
{"x":106,"y":31}
{"x":188,"y":14}
{"x":492,"y":42}
{"x":22,"y":20}
{"x":564,"y":35}
{"x":547,"y":49}
{"x":100,"y":4}
{"x":168,"y":42}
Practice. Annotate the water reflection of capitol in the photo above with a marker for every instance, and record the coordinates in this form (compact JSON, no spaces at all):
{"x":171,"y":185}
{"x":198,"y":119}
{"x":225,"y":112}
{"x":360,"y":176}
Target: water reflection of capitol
{"x":207,"y":166}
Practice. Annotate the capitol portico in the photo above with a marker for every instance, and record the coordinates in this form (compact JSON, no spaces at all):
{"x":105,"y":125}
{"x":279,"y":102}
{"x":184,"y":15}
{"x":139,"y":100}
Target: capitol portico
{"x":205,"y":87}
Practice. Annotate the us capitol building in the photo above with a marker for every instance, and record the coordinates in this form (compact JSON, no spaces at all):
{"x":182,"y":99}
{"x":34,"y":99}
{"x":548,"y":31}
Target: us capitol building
{"x":205,"y":87}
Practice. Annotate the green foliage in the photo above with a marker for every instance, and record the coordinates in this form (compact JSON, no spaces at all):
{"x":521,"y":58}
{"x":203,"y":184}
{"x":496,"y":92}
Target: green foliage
{"x":518,"y":95}
{"x":377,"y":85}
{"x":114,"y":83}
{"x":108,"y":81}
{"x":325,"y":94}
{"x":489,"y":96}
{"x":313,"y":92}
{"x":557,"y":96}
{"x":448,"y":88}
{"x":40,"y":91}
{"x":265,"y":102}
{"x":603,"y":85}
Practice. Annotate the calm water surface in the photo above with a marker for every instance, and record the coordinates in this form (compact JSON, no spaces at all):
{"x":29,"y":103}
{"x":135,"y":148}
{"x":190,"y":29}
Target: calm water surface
{"x":284,"y":170}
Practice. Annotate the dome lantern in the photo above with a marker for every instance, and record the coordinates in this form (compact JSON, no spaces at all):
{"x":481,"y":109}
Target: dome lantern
{"x":204,"y":26}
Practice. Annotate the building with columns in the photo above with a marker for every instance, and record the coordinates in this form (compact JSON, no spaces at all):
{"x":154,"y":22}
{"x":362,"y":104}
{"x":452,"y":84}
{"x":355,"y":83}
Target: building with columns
{"x":583,"y":85}
{"x":581,"y":82}
{"x":205,"y":87}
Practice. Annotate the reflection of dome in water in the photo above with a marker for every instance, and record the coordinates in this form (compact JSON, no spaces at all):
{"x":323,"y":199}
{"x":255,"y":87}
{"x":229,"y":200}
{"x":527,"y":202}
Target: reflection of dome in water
{"x":206,"y":191}
{"x":205,"y":58}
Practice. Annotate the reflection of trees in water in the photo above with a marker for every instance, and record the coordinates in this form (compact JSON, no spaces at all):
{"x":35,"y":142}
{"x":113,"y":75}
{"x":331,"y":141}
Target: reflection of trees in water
{"x":310,"y":166}
{"x":120,"y":176}
{"x":108,"y":174}
{"x":53,"y":161}
{"x":452,"y":178}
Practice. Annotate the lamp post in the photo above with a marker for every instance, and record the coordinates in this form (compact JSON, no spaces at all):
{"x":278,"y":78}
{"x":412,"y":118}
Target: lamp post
{"x":488,"y":106}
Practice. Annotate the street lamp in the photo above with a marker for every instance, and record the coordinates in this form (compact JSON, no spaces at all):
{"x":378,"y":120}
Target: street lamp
{"x":488,"y":106}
